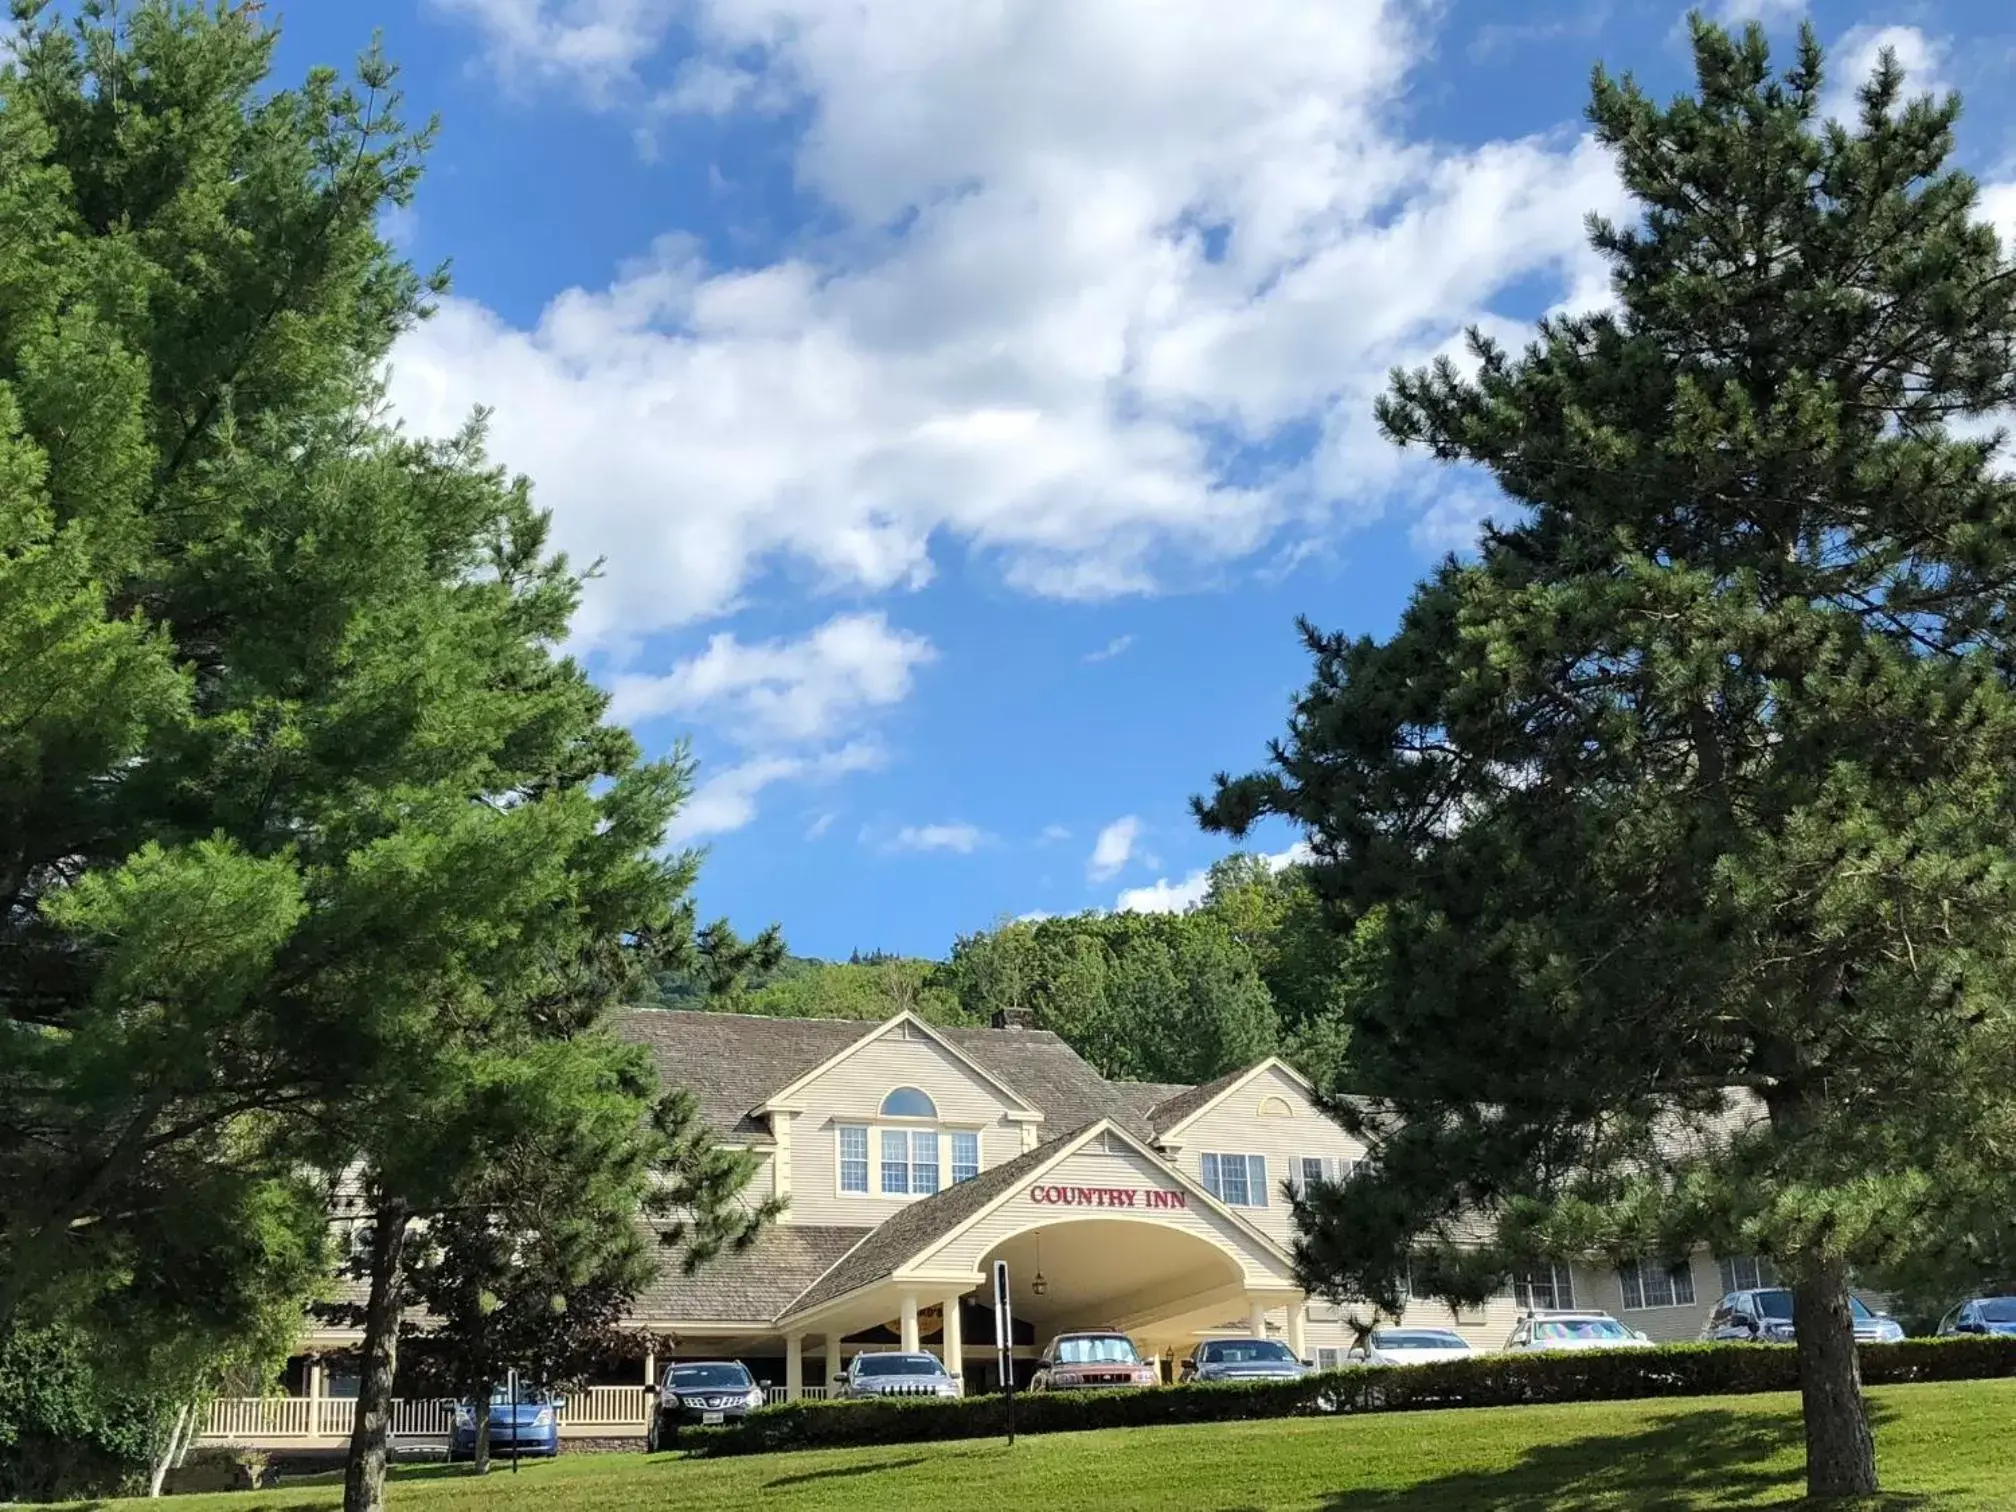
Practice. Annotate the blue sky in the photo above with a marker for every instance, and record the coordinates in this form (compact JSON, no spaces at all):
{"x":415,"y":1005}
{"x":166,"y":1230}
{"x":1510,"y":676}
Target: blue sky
{"x":964,"y":396}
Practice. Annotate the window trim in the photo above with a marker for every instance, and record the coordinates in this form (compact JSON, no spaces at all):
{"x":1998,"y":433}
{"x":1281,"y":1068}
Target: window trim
{"x":1633,"y":1272}
{"x":911,"y":1129}
{"x":953,"y":1164}
{"x":1558,"y":1274}
{"x":882,"y":1108}
{"x":1213,"y":1181}
{"x":867,"y":1187}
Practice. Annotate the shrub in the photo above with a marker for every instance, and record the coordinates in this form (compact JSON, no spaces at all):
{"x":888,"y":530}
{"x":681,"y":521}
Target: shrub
{"x":64,"y":1432}
{"x":1498,"y":1380}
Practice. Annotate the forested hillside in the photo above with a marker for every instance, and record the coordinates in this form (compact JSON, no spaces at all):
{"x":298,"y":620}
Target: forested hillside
{"x":1154,"y":997}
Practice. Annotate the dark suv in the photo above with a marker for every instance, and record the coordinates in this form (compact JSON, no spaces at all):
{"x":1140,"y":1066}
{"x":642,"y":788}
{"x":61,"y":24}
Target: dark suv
{"x":705,"y":1391}
{"x":1763,"y":1315}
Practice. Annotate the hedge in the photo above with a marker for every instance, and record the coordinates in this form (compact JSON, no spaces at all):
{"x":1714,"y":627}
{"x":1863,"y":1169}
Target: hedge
{"x":1495,"y":1380}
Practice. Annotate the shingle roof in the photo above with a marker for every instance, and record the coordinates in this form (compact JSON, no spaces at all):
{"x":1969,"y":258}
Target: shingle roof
{"x":917,"y":1226}
{"x":733,"y":1062}
{"x":751,"y":1285}
{"x":1167,"y":1114}
{"x":1145,"y":1097}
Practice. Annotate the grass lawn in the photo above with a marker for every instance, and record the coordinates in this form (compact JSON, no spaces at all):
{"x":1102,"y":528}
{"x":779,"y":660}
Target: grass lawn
{"x":1944,"y":1446}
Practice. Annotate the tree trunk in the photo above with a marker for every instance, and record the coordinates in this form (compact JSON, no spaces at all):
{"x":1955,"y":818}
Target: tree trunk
{"x":364,"y":1471}
{"x":171,"y":1451}
{"x":1840,"y":1452}
{"x":480,"y":1456}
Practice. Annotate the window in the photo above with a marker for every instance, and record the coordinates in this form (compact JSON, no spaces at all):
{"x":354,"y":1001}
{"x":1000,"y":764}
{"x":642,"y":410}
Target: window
{"x":908,"y":1102}
{"x":1236,"y":1180}
{"x":1653,"y":1286}
{"x":965,"y":1155}
{"x":1330,"y":1359}
{"x":1275,"y":1107}
{"x":895,"y":1162}
{"x":1746,"y":1273}
{"x":1310,"y":1169}
{"x":853,"y":1158}
{"x":1548,"y":1287}
{"x":924,"y":1160}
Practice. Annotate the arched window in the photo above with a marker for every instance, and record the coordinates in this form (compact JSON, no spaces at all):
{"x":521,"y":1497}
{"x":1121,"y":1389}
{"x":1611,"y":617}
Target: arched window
{"x":1275,"y":1107}
{"x":908,"y":1102}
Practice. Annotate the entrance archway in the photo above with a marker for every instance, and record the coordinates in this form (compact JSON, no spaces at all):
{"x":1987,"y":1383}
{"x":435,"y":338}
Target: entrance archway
{"x":1146,"y":1279}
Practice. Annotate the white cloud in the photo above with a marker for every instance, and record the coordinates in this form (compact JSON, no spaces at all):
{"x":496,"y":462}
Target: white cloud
{"x":1165,"y":896}
{"x":727,"y":800}
{"x":1112,"y":850}
{"x":1111,"y":649}
{"x":820,"y":825}
{"x":1853,"y":59}
{"x":806,"y":689}
{"x":1456,"y":519}
{"x":1770,"y":12}
{"x":962,"y":838}
{"x":1998,"y":208}
{"x":1052,"y":833}
{"x":1139,"y":239}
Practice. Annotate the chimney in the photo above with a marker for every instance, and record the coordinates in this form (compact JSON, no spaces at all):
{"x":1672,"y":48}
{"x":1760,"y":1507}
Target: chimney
{"x":1014,"y":1018}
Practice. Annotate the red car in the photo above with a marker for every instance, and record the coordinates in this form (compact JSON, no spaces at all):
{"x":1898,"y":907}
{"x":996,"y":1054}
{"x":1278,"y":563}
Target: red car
{"x":1092,"y":1362}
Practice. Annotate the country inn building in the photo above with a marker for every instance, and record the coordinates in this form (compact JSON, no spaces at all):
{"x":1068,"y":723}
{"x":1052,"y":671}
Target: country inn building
{"x":912,"y":1156}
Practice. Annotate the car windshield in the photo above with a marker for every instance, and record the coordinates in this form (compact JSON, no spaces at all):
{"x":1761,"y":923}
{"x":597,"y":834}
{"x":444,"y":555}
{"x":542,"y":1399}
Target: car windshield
{"x":1561,"y":1329}
{"x":895,"y":1364}
{"x":711,"y":1377}
{"x":1775,"y":1305}
{"x":1996,"y":1309}
{"x":1106,"y":1349}
{"x":528,"y":1396}
{"x":1417,"y":1340}
{"x":1247,"y":1352}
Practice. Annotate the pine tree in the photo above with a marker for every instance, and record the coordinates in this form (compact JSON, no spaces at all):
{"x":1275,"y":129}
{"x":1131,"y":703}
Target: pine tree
{"x":1676,"y":827}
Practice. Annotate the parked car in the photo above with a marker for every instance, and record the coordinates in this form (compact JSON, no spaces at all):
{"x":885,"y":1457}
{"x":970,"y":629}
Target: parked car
{"x":890,"y":1373}
{"x":532,"y":1427}
{"x":1088,"y":1361}
{"x":1561,"y":1328}
{"x":703,"y":1391}
{"x":1243,"y":1360}
{"x":1409,"y":1346}
{"x":1763,"y":1315}
{"x":1981,"y":1315}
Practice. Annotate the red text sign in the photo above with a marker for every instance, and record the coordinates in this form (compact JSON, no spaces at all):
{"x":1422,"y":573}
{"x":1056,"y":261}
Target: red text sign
{"x":1109,"y":1197}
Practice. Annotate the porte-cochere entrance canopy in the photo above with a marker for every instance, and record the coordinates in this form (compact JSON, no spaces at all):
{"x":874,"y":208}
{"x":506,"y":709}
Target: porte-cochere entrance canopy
{"x":1118,"y":1238}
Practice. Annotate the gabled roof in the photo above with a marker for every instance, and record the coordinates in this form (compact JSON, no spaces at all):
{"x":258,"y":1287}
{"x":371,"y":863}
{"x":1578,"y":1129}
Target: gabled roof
{"x":910,"y":1023}
{"x":930,"y":1222}
{"x":1170,"y":1117}
{"x":734,"y":1063}
{"x":921,"y":1224}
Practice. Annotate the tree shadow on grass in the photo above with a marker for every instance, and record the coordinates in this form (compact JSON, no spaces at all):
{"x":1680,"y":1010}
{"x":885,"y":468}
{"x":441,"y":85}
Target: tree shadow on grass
{"x":1681,"y":1460}
{"x":841,"y":1472}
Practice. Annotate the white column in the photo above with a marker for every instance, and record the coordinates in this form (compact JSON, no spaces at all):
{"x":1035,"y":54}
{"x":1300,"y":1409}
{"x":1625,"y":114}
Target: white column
{"x":1298,"y":1330}
{"x":794,"y":1367}
{"x":1256,"y":1317}
{"x":651,"y":1362}
{"x":954,"y":1348}
{"x":831,"y":1342}
{"x":909,"y":1321}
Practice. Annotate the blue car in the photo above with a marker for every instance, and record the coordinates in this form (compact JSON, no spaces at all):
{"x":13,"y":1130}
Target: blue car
{"x":1981,"y":1315}
{"x":534,"y":1429}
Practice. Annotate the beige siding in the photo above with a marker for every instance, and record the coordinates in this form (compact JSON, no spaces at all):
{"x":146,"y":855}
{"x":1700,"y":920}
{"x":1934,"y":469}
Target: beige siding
{"x":852,"y":1093}
{"x":1095,"y":1167}
{"x":1237,"y":1127}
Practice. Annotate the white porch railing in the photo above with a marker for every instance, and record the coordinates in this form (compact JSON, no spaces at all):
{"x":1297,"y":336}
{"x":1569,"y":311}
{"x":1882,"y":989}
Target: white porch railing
{"x":611,"y":1411}
{"x":779,"y":1394}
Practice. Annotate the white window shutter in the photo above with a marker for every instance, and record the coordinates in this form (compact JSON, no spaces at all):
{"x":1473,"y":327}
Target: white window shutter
{"x":1256,"y":1180}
